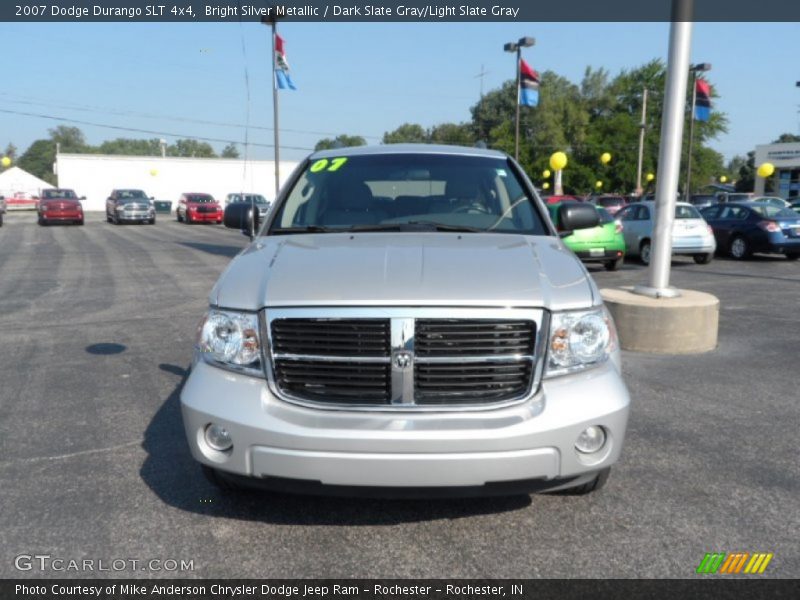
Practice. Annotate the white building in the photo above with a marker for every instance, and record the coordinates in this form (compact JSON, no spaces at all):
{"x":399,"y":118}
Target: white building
{"x":786,"y":179}
{"x":95,"y":175}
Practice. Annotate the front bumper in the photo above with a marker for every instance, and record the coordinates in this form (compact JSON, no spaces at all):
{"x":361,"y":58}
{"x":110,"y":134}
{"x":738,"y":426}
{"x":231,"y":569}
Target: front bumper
{"x":205,"y":217}
{"x":136,"y":217}
{"x":529,"y":441}
{"x":62,"y":215}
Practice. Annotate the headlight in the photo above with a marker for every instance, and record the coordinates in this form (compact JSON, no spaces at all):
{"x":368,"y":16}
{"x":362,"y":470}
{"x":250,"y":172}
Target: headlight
{"x":230,"y":339}
{"x":579,"y":339}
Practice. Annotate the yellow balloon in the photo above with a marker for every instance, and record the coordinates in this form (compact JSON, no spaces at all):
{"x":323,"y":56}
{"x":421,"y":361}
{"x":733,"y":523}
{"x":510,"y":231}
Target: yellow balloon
{"x":598,"y":184}
{"x":558,"y":161}
{"x":605,"y":158}
{"x":650,"y":177}
{"x":545,"y":186}
{"x":5,"y":161}
{"x":723,"y":179}
{"x":546,"y":173}
{"x":153,"y":172}
{"x":766,"y":170}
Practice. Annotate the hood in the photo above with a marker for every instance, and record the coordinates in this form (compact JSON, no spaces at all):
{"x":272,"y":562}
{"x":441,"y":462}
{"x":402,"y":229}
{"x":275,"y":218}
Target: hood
{"x":405,"y":269}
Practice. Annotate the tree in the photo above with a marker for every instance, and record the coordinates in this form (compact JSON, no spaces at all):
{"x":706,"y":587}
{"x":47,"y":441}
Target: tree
{"x":188,"y":147}
{"x":38,"y":160}
{"x":454,"y":134}
{"x":130,"y":147}
{"x":68,"y":139}
{"x":340,"y":141}
{"x":230,"y":151}
{"x":406,"y":133}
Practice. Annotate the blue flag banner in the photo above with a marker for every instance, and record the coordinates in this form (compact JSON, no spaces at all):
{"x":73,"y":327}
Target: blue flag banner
{"x":702,"y":105}
{"x":528,"y":85}
{"x":282,"y":78}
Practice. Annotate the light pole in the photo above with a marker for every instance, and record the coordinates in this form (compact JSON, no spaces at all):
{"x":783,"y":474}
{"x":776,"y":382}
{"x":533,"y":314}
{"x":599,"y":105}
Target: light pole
{"x":523,"y":42}
{"x":642,"y":127}
{"x":701,"y":67}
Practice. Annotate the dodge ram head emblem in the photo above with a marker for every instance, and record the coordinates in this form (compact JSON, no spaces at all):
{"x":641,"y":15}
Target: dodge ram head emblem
{"x":402,"y":360}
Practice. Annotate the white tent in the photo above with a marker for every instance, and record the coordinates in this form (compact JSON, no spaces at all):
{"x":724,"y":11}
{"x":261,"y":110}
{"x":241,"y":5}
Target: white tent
{"x":17,"y":183}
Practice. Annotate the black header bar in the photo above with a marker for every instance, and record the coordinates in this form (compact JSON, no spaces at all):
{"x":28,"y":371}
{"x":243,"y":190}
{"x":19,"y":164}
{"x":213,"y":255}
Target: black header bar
{"x":430,"y":11}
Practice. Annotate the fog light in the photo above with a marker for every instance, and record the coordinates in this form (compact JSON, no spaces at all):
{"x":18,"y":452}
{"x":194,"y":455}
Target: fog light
{"x":218,"y":438}
{"x":590,"y":440}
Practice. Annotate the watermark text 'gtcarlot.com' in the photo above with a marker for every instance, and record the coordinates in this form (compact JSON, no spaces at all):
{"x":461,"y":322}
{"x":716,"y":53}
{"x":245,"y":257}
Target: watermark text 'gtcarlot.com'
{"x":46,"y":562}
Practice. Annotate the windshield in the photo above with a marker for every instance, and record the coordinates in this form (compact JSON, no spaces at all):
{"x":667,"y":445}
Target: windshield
{"x":395,"y":191}
{"x":772,"y":211}
{"x":255,"y":198}
{"x":199,"y":198}
{"x":49,"y":194}
{"x":132,"y":195}
{"x":686,"y":212}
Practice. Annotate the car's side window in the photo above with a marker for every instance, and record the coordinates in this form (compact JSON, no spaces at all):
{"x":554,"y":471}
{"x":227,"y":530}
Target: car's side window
{"x":626,"y":214}
{"x":711,"y":213}
{"x":737,"y":212}
{"x":644,"y":213}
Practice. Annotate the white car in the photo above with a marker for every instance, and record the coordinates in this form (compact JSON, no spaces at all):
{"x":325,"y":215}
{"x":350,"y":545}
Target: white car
{"x":690,"y":233}
{"x":774,"y":201}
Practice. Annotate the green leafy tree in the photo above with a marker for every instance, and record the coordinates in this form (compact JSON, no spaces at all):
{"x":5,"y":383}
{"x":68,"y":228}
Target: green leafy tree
{"x":340,"y":141}
{"x":452,"y":134}
{"x":407,"y":133}
{"x":68,"y":139}
{"x":230,"y":151}
{"x":38,"y":160}
{"x":130,"y":147}
{"x":189,"y":147}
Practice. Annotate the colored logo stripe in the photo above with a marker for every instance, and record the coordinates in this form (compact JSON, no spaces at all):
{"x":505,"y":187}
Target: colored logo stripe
{"x":719,"y":562}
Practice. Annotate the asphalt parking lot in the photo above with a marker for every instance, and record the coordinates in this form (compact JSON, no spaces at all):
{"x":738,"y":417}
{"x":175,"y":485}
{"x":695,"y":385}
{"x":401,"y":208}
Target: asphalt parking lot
{"x":97,"y":324}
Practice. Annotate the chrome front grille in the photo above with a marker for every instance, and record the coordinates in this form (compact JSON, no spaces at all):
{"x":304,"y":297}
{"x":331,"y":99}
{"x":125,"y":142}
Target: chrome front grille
{"x":395,"y":358}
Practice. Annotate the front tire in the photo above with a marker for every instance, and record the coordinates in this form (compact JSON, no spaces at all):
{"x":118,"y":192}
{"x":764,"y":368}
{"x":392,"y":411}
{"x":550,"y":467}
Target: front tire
{"x":703,"y":259}
{"x":42,"y":222}
{"x":739,"y":248}
{"x":792,"y":256}
{"x":644,"y":252}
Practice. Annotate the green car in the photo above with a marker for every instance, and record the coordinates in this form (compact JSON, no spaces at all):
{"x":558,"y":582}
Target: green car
{"x":603,"y":244}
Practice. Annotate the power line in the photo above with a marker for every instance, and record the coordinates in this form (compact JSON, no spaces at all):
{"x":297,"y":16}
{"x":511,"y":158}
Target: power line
{"x":110,"y":111}
{"x":147,"y":131}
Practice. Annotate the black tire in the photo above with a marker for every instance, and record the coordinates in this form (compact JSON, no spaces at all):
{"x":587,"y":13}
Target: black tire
{"x":594,"y":485}
{"x":792,"y":256}
{"x":152,"y":221}
{"x":703,"y":259}
{"x":42,"y":222}
{"x":614,"y":265}
{"x":739,"y":248}
{"x":644,"y":252}
{"x":79,"y":222}
{"x":178,"y":216}
{"x":220,"y":481}
{"x":1,"y":219}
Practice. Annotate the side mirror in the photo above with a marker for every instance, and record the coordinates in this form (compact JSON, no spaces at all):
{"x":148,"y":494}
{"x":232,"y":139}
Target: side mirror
{"x":573,"y":215}
{"x":240,"y":215}
{"x":152,"y":197}
{"x":82,"y":198}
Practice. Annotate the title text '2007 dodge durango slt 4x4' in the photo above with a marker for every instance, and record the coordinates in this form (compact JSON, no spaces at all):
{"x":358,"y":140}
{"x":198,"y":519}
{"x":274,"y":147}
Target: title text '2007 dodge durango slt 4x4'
{"x":408,"y":322}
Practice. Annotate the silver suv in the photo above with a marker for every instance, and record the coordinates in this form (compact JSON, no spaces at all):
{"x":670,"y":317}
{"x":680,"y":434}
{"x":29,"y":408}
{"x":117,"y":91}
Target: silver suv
{"x":407,"y":322}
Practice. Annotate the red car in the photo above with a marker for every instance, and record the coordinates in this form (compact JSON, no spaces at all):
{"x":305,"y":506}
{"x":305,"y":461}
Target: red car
{"x":60,"y":206}
{"x":612,"y":204}
{"x":561,"y":198}
{"x":198,"y":208}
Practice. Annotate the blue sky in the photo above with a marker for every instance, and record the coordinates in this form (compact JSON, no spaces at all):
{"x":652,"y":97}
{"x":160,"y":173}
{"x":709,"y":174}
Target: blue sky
{"x":354,"y":78}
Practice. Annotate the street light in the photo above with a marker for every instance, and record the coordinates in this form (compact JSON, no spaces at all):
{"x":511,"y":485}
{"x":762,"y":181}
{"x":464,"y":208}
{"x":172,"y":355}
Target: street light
{"x":523,"y":42}
{"x":694,"y":70}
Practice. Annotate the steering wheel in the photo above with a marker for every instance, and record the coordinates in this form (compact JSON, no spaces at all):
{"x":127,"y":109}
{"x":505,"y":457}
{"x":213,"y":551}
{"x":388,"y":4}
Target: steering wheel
{"x":475,"y":207}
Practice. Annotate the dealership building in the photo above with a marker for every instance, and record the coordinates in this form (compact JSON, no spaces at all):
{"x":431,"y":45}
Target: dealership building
{"x":785,"y":182}
{"x":95,"y":175}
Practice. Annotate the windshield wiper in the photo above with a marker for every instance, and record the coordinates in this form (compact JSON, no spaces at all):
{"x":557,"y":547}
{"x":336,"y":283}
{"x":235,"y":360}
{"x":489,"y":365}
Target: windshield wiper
{"x":307,"y":229}
{"x":413,"y":226}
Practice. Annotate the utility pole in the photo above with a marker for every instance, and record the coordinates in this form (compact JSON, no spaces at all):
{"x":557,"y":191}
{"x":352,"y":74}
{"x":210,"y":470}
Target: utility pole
{"x":642,"y":126}
{"x":481,"y":75}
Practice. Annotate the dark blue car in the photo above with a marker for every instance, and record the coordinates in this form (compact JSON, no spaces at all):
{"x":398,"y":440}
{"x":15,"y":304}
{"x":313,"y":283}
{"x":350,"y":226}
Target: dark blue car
{"x":743,"y":228}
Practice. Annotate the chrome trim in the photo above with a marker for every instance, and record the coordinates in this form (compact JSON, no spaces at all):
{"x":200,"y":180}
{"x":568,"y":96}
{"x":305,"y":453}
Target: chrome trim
{"x":331,"y":358}
{"x":401,"y":341}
